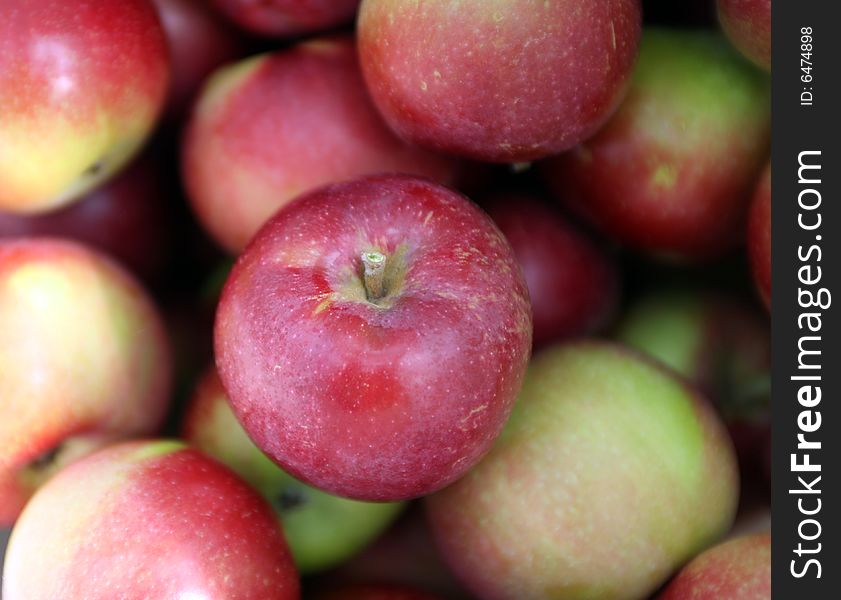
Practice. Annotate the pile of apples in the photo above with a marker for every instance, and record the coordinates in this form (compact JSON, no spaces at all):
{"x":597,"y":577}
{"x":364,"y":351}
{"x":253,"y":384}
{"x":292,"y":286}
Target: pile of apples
{"x":257,"y":343}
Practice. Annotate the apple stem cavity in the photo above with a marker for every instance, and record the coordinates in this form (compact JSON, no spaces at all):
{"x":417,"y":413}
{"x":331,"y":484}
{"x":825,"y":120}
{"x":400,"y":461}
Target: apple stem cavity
{"x":374,"y":275}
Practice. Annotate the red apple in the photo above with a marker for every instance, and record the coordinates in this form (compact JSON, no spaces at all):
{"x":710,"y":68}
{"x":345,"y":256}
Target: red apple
{"x":671,"y":173}
{"x":739,"y":569}
{"x":377,"y":592}
{"x":277,"y":125}
{"x":81,"y":86}
{"x":573,"y":284}
{"x":498,"y":81}
{"x":747,"y":24}
{"x":284,"y":18}
{"x":373,"y":336}
{"x":199,"y":41}
{"x":759,"y":236}
{"x":148,"y":520}
{"x":83,"y":360}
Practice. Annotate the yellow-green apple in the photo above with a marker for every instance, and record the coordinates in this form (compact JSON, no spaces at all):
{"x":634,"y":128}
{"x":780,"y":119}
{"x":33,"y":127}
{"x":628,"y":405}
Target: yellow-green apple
{"x":759,"y":236}
{"x":671,"y":172}
{"x":83,"y":360}
{"x":747,"y":24}
{"x":739,"y":569}
{"x":81,"y":86}
{"x":376,"y":592}
{"x":322,"y":530}
{"x":498,"y":80}
{"x":148,"y":519}
{"x":284,"y":18}
{"x":274,"y":126}
{"x":373,"y":336}
{"x":610,"y":474}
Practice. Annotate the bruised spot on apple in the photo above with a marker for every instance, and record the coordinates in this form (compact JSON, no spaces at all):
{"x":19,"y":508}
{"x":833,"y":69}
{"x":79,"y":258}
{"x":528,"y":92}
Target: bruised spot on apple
{"x":759,"y":236}
{"x":383,"y":399}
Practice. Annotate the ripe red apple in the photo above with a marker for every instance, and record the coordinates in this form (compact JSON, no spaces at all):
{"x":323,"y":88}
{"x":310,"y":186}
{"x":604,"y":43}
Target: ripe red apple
{"x":199,"y":41}
{"x":83,"y":360}
{"x":377,"y":592}
{"x":610,"y":474}
{"x":759,"y":236}
{"x":148,"y":519}
{"x":373,"y":336}
{"x":573,"y":284}
{"x":747,"y":24}
{"x":671,"y":173}
{"x":498,"y":81}
{"x":739,"y":569}
{"x":284,"y":18}
{"x":277,"y":125}
{"x":81,"y":86}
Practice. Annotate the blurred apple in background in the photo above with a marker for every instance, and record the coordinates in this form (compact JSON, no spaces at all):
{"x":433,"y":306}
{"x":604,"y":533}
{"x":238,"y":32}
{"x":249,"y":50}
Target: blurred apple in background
{"x":285,"y":18}
{"x":607,"y":458}
{"x":81,"y":87}
{"x":747,"y":24}
{"x":759,"y":236}
{"x":376,"y":592}
{"x":497,"y":82}
{"x":148,"y":519}
{"x":277,"y":125}
{"x":671,"y":173}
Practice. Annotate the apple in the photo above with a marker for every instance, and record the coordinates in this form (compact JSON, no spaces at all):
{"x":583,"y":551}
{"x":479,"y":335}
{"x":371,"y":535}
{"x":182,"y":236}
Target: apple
{"x":671,"y":173}
{"x":83,"y":361}
{"x":199,"y":42}
{"x":150,"y":519}
{"x":81,"y":87}
{"x":747,"y":23}
{"x":739,"y":569}
{"x":573,"y":283}
{"x":322,"y":530}
{"x":499,"y":81}
{"x":373,"y":336}
{"x":274,"y":126}
{"x":285,"y":18}
{"x":759,"y":236}
{"x":377,"y":592}
{"x":610,"y":474}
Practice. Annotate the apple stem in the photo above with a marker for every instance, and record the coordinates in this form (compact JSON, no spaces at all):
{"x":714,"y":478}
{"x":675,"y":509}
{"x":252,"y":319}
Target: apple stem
{"x":374,"y":275}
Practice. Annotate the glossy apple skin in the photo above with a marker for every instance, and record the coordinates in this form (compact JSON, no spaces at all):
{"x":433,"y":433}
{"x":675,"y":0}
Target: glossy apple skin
{"x":747,"y":24}
{"x":377,"y":592}
{"x":498,"y":80}
{"x":322,"y":530}
{"x":83,"y":360}
{"x":739,"y":569}
{"x":274,"y":126}
{"x":759,"y":236}
{"x":610,"y":474}
{"x":573,"y":283}
{"x":199,"y":42}
{"x":375,"y":401}
{"x":285,"y":18}
{"x":671,"y":173}
{"x":81,"y":86}
{"x":150,"y":519}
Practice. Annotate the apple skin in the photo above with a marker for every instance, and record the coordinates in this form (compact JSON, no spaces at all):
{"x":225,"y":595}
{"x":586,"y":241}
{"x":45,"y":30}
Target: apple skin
{"x":83,"y":360}
{"x":494,"y":80}
{"x":375,"y":400}
{"x":759,"y":236}
{"x":150,"y":519}
{"x":274,"y":126}
{"x":747,"y":24}
{"x":610,"y":474}
{"x":285,"y":18}
{"x":671,"y":173}
{"x":739,"y":569}
{"x":81,"y":87}
{"x":322,"y":530}
{"x":377,"y":592}
{"x":573,"y":283}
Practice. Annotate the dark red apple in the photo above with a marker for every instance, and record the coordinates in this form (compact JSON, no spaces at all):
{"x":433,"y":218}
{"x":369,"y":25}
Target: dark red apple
{"x":747,"y":24}
{"x":759,"y":236}
{"x":573,"y":284}
{"x":277,"y":125}
{"x":377,"y":592}
{"x":373,"y":337}
{"x":671,"y":173}
{"x":497,"y":81}
{"x":283,"y":18}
